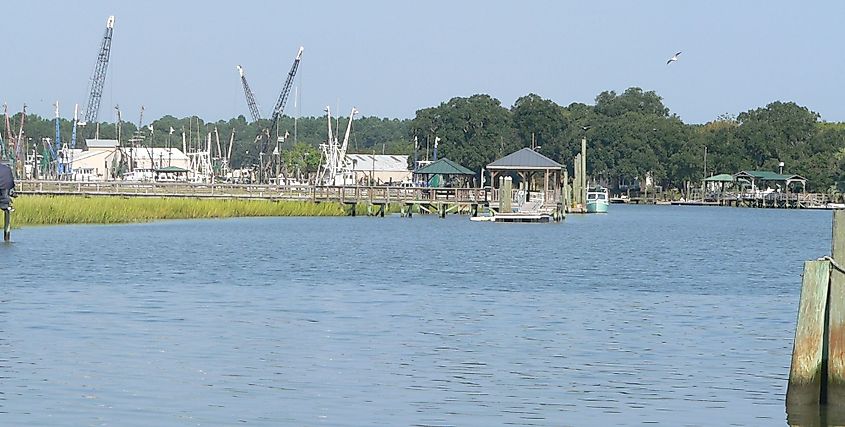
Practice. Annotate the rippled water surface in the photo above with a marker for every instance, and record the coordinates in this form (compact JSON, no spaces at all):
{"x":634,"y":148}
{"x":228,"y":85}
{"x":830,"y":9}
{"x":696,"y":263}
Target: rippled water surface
{"x":647,"y":315}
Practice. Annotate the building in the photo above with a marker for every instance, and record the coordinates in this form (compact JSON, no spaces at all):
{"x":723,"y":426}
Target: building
{"x":105,"y":160}
{"x":378,"y":169}
{"x":100,"y":162}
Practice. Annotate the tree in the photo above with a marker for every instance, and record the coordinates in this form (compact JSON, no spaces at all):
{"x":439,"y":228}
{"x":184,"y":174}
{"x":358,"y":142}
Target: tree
{"x":472,"y":131}
{"x":776,"y":132}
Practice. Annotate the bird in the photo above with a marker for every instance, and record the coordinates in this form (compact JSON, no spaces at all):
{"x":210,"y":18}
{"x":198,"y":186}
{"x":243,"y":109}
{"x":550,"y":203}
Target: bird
{"x":673,"y":58}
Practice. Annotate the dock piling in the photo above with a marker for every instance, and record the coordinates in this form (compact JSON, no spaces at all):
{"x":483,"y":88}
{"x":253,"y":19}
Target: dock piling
{"x":817,"y":371}
{"x":7,"y":224}
{"x":806,"y":370}
{"x":836,"y":324}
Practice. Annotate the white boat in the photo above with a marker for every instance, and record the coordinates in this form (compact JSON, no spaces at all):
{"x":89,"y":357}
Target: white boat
{"x":597,"y":200}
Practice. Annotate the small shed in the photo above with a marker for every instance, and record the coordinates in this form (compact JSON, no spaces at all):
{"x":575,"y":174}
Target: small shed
{"x":529,"y":165}
{"x":719,"y":182}
{"x":444,"y":172}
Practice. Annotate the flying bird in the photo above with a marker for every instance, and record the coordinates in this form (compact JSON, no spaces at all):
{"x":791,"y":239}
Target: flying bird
{"x":673,"y":58}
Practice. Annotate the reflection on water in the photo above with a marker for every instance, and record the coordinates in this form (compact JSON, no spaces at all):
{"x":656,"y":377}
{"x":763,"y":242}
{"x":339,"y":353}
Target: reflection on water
{"x":647,"y":315}
{"x":815,"y":416}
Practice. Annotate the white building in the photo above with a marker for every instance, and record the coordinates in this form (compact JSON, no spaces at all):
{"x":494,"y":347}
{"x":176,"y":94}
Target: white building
{"x":378,"y":169}
{"x":98,"y":163}
{"x":104,"y":159}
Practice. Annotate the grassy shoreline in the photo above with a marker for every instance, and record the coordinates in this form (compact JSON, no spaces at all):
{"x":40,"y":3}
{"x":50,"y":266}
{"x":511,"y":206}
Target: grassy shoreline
{"x":55,"y":210}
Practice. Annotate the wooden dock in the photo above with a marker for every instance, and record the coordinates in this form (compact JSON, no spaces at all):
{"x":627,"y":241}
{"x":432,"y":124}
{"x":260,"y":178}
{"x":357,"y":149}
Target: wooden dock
{"x":438,"y":201}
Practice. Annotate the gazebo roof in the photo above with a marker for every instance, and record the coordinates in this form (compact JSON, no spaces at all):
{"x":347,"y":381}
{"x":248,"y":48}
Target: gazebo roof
{"x":722,"y":177}
{"x":769,"y":176}
{"x":444,"y":166}
{"x":524,"y":159}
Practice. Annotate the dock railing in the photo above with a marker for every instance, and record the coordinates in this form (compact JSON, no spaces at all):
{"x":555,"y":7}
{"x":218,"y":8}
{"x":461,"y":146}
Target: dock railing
{"x":343,"y":194}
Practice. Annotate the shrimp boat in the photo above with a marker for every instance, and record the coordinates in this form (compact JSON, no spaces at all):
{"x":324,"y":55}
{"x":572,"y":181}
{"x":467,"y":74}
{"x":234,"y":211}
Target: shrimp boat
{"x":597,"y":200}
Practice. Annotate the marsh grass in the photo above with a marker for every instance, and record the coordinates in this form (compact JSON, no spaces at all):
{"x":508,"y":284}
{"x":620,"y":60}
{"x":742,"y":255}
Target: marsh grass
{"x":45,"y":210}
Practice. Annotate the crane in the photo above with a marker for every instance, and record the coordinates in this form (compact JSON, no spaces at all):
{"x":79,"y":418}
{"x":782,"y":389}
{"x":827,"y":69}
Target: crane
{"x":277,"y":112}
{"x":98,"y":79}
{"x":254,"y":111}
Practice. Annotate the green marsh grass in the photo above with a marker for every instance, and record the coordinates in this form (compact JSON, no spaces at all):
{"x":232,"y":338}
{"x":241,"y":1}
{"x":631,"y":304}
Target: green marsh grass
{"x":46,"y":210}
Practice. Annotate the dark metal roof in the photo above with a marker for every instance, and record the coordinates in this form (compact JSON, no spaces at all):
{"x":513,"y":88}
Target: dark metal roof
{"x":444,"y":167}
{"x":525,"y":159}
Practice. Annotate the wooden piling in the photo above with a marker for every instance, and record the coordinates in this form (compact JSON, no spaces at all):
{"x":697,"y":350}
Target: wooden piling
{"x":505,"y":198}
{"x":7,"y":224}
{"x":806,"y":372}
{"x":836,"y":323}
{"x":576,"y":182}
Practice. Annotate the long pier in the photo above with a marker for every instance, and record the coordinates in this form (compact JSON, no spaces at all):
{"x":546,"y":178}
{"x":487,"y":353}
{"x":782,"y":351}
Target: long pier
{"x":342,"y":194}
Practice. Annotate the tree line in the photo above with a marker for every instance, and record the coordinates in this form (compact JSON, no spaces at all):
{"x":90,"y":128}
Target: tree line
{"x":629,"y":135}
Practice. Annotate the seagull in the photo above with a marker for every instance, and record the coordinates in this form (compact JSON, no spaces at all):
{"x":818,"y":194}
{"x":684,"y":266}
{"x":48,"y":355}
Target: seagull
{"x":673,"y":58}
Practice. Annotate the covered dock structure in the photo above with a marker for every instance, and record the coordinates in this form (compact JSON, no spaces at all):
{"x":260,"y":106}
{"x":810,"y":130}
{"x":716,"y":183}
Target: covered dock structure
{"x":444,"y":173}
{"x":540,"y":178}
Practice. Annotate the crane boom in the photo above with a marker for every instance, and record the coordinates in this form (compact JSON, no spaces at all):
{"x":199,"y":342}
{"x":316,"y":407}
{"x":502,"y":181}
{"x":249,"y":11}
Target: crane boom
{"x":283,"y":98}
{"x":98,"y":79}
{"x":277,"y":112}
{"x":254,"y":111}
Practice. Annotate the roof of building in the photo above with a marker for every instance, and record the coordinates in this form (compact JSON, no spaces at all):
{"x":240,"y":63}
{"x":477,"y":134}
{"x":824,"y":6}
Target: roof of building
{"x":769,"y":176}
{"x":722,"y":177}
{"x":377,"y":162}
{"x":444,"y":167}
{"x":102,"y":143}
{"x":525,"y":159}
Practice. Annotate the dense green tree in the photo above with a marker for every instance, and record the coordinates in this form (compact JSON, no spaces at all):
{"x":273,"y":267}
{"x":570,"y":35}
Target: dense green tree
{"x":472,"y":131}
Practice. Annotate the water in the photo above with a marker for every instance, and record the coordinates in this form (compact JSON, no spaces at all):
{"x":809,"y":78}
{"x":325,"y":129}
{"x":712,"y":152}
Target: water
{"x":647,"y":315}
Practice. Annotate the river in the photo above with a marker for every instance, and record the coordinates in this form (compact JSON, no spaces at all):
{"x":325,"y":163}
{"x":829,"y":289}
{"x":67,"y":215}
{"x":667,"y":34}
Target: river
{"x":647,"y":315}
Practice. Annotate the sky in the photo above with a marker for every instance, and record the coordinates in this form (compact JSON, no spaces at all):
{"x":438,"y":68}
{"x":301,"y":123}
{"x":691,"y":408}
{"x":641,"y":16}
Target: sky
{"x":392,"y":58}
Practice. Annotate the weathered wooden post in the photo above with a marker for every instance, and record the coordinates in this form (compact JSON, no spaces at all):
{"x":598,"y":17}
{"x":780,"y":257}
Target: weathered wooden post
{"x":576,"y":181}
{"x":565,"y":190}
{"x":6,"y":207}
{"x":583,"y":169}
{"x":817,"y":372}
{"x":836,"y":323}
{"x":505,"y":202}
{"x":806,"y":371}
{"x":7,"y":224}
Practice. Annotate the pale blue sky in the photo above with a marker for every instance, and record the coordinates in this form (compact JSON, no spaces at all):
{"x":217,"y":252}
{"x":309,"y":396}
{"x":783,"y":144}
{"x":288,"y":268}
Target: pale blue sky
{"x":391,"y":58}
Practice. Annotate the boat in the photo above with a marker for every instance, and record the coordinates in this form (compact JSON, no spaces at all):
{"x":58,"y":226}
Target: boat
{"x":515,"y":217}
{"x":597,"y":200}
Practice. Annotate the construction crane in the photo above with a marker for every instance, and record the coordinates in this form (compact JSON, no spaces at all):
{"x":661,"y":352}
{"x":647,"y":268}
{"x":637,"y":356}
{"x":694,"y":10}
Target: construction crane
{"x":254,"y":111}
{"x":98,"y":79}
{"x":277,"y":112}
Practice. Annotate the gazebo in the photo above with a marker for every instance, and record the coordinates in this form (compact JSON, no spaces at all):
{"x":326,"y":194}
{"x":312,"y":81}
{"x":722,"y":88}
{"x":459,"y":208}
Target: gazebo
{"x":757,"y":178}
{"x":530,"y":165}
{"x":171,"y":173}
{"x":435,"y":172}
